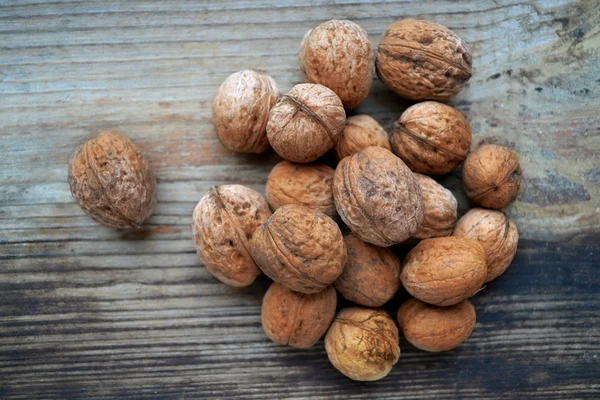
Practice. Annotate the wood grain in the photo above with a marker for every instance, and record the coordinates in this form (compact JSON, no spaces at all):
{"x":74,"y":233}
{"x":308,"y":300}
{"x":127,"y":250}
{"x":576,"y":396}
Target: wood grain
{"x":90,"y":312}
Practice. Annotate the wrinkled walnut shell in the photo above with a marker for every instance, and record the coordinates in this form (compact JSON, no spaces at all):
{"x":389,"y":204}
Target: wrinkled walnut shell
{"x":306,"y":122}
{"x":360,"y":132}
{"x":444,"y":271}
{"x":363,"y":343}
{"x":223,"y":222}
{"x":112,"y":181}
{"x":433,"y":328}
{"x":299,"y":248}
{"x":241,"y":111}
{"x":338,"y":54}
{"x":492,"y":176}
{"x":431,"y":138}
{"x":296,"y":319}
{"x":421,"y":60}
{"x":310,"y":185}
{"x":497,"y":235}
{"x":371,"y":276}
{"x":440,"y":209}
{"x":378,"y":197}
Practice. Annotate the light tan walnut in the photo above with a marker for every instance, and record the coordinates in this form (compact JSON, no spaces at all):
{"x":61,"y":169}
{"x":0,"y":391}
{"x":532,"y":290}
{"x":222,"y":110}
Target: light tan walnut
{"x":361,"y":131}
{"x":440,"y":209}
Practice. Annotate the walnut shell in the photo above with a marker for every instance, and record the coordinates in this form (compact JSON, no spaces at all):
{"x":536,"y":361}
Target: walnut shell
{"x":241,"y":111}
{"x":223,"y":223}
{"x":440,"y":209}
{"x":433,"y":328}
{"x":310,"y":185}
{"x":497,"y":235}
{"x":371,"y":276}
{"x":338,"y":54}
{"x":431,"y":138}
{"x":444,"y":271}
{"x":112,"y":181}
{"x":492,"y":176}
{"x":360,"y":132}
{"x":296,"y":319}
{"x":363,"y":343}
{"x":421,"y":60}
{"x":378,"y":197}
{"x":306,"y":122}
{"x":299,"y":248}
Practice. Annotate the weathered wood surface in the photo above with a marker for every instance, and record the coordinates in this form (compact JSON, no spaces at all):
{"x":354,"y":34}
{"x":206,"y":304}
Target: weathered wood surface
{"x":87,"y":311}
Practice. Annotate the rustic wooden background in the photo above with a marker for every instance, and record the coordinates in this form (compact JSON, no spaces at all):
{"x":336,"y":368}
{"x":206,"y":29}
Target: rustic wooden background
{"x":90,"y":312}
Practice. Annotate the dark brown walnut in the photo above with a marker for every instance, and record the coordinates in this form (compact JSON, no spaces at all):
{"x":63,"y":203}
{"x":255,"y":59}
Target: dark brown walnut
{"x":433,"y":328}
{"x":431,"y":138}
{"x":492,"y":176}
{"x":444,"y":271}
{"x":338,"y":54}
{"x":306,"y":122}
{"x":362,"y":343}
{"x":241,"y":111}
{"x":223,"y":223}
{"x":112,"y":181}
{"x":378,"y":197}
{"x":371,"y":276}
{"x":421,"y":60}
{"x":297,"y":319}
{"x":440,"y":209}
{"x":361,"y":131}
{"x":497,"y":235}
{"x":310,"y":185}
{"x":299,"y":248}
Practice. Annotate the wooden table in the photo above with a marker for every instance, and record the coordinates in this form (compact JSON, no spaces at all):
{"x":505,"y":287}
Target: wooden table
{"x":90,"y":312}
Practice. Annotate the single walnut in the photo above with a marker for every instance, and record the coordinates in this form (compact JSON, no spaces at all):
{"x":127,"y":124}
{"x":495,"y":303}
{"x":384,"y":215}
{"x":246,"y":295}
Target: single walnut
{"x":112,"y":182}
{"x":492,"y":176}
{"x":433,"y":328}
{"x":497,"y":235}
{"x":363,"y":343}
{"x":296,"y":319}
{"x":444,"y":271}
{"x":371,"y":276}
{"x":431,"y":138}
{"x":361,"y":131}
{"x":310,"y":185}
{"x":421,"y":60}
{"x":241,"y":111}
{"x":223,"y":223}
{"x":306,"y":122}
{"x":299,"y":248}
{"x":338,"y":54}
{"x":440,"y":209}
{"x":378,"y":197}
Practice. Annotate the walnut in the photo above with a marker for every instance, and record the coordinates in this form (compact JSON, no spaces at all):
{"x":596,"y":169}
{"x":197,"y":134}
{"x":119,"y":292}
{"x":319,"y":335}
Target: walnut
{"x":371,"y":276}
{"x":378,"y":197}
{"x":306,"y":184}
{"x":361,"y":131}
{"x":431,"y":138}
{"x":492,"y":176}
{"x":338,"y":54}
{"x":363,"y":343}
{"x":421,"y":60}
{"x":433,"y":328}
{"x":299,"y":248}
{"x":112,"y":182}
{"x":444,"y":271}
{"x":241,"y":111}
{"x":497,"y":235}
{"x":306,"y":122}
{"x":297,"y":319}
{"x":223,"y":223}
{"x":440,"y":209}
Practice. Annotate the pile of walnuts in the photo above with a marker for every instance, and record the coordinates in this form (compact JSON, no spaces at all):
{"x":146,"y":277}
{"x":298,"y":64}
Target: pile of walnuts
{"x":321,"y":231}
